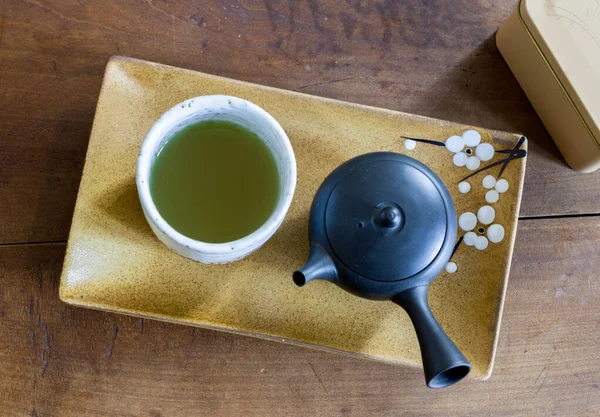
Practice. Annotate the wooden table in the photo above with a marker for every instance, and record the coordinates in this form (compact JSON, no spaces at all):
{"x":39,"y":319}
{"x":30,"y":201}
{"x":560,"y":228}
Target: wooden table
{"x":430,"y":57}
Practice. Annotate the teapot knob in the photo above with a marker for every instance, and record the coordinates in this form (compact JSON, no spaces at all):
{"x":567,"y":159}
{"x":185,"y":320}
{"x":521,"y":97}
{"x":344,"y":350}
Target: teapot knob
{"x":389,"y":217}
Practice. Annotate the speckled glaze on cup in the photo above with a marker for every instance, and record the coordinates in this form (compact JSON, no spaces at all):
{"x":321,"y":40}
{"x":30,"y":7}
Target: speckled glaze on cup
{"x":242,"y":113}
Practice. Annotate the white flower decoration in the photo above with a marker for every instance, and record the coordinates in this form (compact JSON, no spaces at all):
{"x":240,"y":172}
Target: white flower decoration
{"x":471,"y":158}
{"x":485,"y":216}
{"x":410,"y":144}
{"x":451,"y":267}
{"x":495,"y":188}
{"x":464,"y":187}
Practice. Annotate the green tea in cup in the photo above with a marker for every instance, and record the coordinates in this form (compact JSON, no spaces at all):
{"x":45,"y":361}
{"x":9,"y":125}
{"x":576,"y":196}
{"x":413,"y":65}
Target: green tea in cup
{"x":216,"y":176}
{"x":215,"y":181}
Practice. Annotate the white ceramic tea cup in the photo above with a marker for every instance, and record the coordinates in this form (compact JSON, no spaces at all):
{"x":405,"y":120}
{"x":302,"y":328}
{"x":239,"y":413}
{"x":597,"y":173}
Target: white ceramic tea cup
{"x":244,"y":114}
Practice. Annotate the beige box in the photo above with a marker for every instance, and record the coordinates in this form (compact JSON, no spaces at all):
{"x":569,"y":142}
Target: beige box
{"x":553,"y":48}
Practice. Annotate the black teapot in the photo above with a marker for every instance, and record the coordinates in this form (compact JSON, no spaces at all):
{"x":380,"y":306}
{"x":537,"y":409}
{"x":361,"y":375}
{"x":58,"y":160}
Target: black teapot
{"x":383,"y":226}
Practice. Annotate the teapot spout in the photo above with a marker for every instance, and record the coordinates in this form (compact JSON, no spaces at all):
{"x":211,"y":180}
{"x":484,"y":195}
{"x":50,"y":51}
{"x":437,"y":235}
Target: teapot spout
{"x":318,"y":266}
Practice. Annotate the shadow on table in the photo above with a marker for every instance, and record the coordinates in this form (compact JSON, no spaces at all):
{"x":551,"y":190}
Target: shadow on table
{"x":481,"y":90}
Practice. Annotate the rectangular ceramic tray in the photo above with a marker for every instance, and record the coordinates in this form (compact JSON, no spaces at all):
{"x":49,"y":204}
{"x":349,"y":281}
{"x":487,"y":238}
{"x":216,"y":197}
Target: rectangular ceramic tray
{"x":115,"y":263}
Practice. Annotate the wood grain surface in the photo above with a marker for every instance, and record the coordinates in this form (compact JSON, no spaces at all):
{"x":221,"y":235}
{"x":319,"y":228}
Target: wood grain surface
{"x":57,"y":360}
{"x":436,"y":58}
{"x":431,"y":57}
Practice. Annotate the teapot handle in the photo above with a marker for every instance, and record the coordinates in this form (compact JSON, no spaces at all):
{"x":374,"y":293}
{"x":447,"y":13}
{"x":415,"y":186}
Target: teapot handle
{"x":443,"y":363}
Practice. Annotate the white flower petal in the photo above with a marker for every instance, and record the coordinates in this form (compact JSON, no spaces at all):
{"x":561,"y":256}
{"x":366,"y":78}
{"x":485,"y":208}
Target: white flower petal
{"x":486,"y":214}
{"x":473,"y":163}
{"x":460,"y":159}
{"x":451,"y":267}
{"x":485,"y":152}
{"x":471,"y":138}
{"x":489,"y":181}
{"x":455,"y":144}
{"x":492,"y":196}
{"x":502,"y":186}
{"x":481,"y":243}
{"x":470,"y":238}
{"x":410,"y":144}
{"x":464,"y":187}
{"x":467,"y":221}
{"x":495,"y":233}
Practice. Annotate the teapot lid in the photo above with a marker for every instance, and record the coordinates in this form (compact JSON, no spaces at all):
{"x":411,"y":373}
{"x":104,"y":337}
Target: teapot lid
{"x":387,"y":218}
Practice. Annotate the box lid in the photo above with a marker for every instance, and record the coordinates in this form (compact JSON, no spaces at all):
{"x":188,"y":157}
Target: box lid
{"x":567,"y":33}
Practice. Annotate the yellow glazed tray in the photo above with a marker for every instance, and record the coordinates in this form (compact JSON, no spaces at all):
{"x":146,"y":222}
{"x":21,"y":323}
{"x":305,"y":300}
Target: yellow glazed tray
{"x":115,"y":263}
